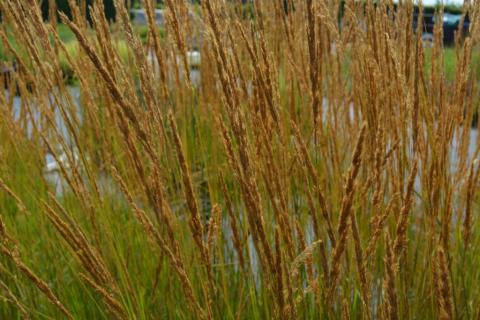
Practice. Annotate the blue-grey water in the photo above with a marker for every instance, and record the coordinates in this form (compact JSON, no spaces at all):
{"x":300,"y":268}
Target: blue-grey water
{"x":52,"y":173}
{"x":75,"y":93}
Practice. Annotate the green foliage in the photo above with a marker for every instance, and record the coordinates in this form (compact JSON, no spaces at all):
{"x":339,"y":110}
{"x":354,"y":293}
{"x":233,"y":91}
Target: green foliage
{"x":450,"y":63}
{"x":142,"y":32}
{"x":72,"y":49}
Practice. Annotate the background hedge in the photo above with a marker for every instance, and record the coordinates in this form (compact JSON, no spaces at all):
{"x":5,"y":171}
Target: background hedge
{"x":62,"y":5}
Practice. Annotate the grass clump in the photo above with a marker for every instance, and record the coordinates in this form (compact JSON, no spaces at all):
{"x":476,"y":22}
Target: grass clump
{"x":302,"y":171}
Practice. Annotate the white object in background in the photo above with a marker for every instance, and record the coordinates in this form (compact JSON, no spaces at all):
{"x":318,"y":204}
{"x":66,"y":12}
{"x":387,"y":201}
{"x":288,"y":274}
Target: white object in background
{"x":194,"y":59}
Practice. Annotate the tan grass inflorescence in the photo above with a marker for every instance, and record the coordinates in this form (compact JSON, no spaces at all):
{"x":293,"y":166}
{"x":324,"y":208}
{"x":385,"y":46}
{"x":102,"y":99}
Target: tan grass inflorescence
{"x":318,"y":161}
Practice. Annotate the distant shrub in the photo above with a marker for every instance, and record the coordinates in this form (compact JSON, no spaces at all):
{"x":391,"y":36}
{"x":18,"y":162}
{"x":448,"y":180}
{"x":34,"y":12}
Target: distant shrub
{"x":62,"y":6}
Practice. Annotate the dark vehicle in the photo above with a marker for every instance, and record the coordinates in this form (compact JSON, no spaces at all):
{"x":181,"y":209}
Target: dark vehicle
{"x":452,"y":18}
{"x":451,"y":24}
